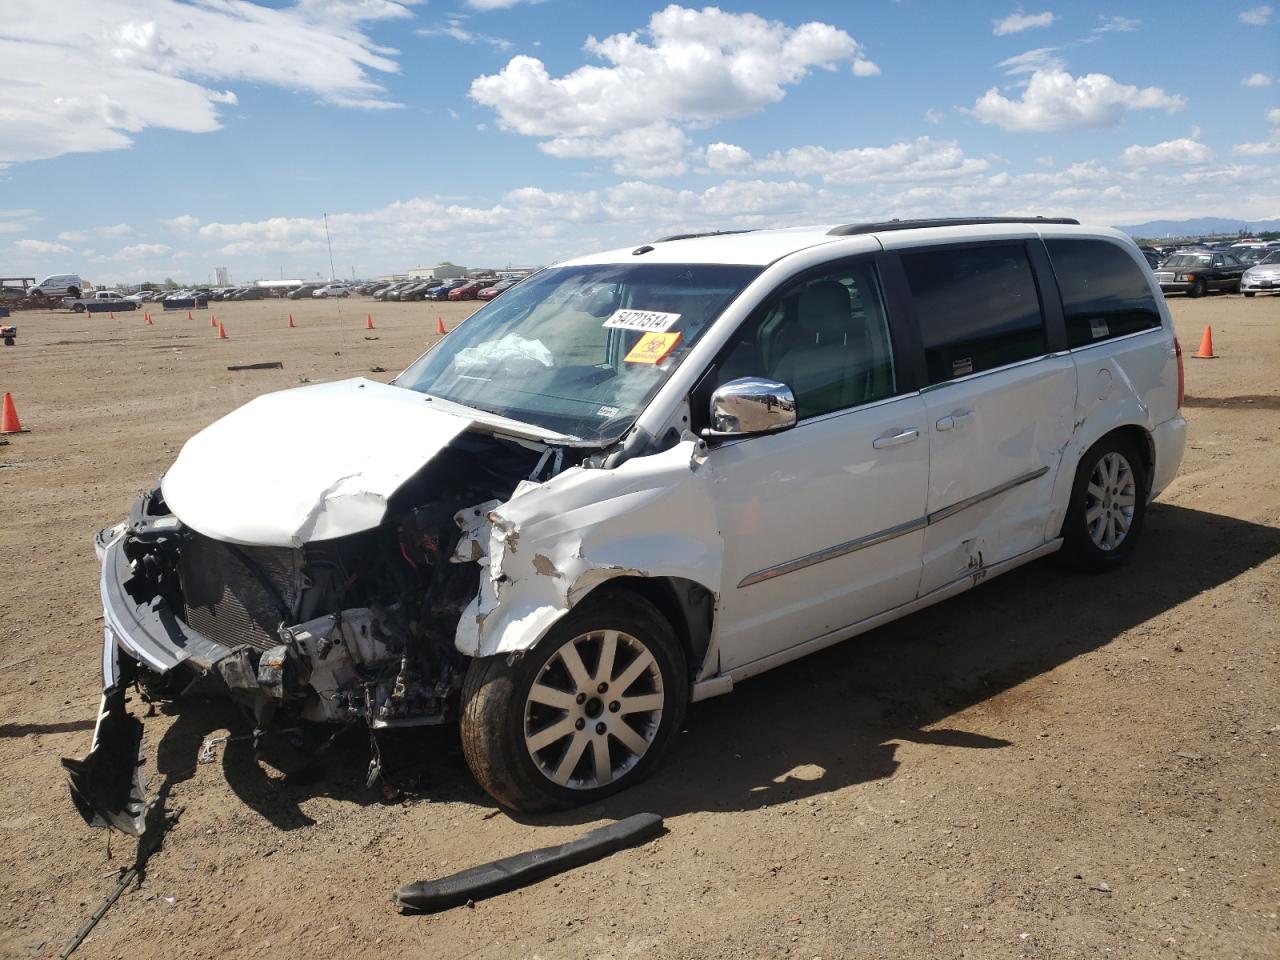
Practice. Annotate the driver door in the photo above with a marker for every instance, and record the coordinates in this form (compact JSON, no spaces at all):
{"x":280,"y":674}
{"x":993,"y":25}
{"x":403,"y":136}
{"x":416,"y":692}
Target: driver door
{"x":823,"y":523}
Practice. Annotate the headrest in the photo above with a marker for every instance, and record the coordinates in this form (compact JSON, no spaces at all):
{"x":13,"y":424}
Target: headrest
{"x":824,"y":308}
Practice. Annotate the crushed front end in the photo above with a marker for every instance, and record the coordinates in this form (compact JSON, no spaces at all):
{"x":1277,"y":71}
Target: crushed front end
{"x":353,"y":629}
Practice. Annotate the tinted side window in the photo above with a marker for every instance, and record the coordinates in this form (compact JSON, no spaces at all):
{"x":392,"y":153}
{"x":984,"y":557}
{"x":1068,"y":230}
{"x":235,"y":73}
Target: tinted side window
{"x":977,"y":307}
{"x":1104,"y":293}
{"x":827,"y":338}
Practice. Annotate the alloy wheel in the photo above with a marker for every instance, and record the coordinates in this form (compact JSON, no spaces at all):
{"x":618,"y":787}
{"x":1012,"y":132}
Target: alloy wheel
{"x":1112,"y":495}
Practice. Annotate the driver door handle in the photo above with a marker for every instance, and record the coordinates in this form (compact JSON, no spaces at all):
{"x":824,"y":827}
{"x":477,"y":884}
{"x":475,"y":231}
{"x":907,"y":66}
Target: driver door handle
{"x":895,"y":439}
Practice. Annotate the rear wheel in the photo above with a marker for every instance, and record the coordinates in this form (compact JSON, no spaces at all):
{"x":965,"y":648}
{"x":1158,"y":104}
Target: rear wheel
{"x":585,"y":714}
{"x":78,"y":308}
{"x":73,"y":291}
{"x":1198,"y":289}
{"x":1108,"y":504}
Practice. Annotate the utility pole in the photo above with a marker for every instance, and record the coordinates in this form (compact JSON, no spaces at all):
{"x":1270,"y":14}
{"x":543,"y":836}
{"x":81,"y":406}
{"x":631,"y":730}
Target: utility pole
{"x":332,"y":273}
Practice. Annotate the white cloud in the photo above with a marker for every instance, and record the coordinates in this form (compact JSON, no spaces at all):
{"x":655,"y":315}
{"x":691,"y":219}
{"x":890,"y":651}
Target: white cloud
{"x":183,"y":223}
{"x":1041,"y":58}
{"x":1256,"y":17}
{"x":1256,"y":80}
{"x":124,"y":66}
{"x":920,"y":159}
{"x":496,"y":4}
{"x":40,"y":246}
{"x":1273,"y":116}
{"x":1055,"y":100}
{"x":1116,"y":25}
{"x":1261,"y":148}
{"x":687,"y":68}
{"x":1183,"y":152}
{"x":1018,"y":21}
{"x":933,"y":116}
{"x":115,"y":230}
{"x":142,"y":251}
{"x":865,"y":68}
{"x":656,"y":150}
{"x":454,"y":29}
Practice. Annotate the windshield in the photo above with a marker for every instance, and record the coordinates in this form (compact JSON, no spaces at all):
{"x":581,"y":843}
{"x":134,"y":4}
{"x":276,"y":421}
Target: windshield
{"x":579,"y":350}
{"x":1273,"y":257}
{"x":1190,"y":260}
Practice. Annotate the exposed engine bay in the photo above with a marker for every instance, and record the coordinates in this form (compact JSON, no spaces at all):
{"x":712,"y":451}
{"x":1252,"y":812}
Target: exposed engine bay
{"x":359,"y":628}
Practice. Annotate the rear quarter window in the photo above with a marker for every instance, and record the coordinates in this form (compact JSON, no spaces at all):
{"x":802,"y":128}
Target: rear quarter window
{"x":1105,"y":293}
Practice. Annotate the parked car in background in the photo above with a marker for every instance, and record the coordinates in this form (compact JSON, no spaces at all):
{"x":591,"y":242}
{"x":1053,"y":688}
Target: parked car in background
{"x":331,"y":290}
{"x":468,"y":291}
{"x":648,"y":474}
{"x":488,"y":293}
{"x":1152,"y":256}
{"x":442,"y":292}
{"x":389,"y":292}
{"x":1196,"y":273}
{"x":304,"y":291}
{"x":58,"y":285}
{"x":1263,"y":276}
{"x":101,"y":300}
{"x":1248,"y":253}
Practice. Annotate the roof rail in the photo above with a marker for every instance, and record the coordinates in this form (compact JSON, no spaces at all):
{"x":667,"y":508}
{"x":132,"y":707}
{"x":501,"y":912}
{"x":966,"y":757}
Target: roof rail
{"x":694,"y":236}
{"x":853,"y":229}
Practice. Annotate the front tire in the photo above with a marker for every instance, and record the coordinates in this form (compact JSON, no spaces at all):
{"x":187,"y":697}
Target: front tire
{"x":586,"y":713}
{"x":1108,"y":506}
{"x":1248,"y":294}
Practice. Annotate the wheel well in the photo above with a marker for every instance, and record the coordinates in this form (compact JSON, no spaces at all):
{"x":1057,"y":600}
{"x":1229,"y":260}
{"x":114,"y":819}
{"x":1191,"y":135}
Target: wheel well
{"x":688,"y":606}
{"x":1146,"y":449}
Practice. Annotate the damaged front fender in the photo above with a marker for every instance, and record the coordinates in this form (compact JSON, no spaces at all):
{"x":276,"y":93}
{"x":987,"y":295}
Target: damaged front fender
{"x":551,"y":544}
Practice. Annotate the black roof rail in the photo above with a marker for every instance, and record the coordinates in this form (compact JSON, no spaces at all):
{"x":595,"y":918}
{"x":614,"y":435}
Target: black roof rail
{"x":694,"y":236}
{"x":853,"y":229}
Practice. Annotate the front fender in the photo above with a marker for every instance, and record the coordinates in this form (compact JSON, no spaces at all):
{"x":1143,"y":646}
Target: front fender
{"x":551,"y":544}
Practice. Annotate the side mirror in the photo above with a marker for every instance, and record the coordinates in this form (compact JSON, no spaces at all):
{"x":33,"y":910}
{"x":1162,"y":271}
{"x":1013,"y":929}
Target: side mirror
{"x":749,"y":407}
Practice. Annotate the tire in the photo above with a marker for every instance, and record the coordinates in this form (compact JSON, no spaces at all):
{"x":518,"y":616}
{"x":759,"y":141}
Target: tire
{"x":78,"y":308}
{"x":503,"y":717}
{"x":73,"y":291}
{"x":1248,"y":294}
{"x":1093,"y":532}
{"x":1198,"y":289}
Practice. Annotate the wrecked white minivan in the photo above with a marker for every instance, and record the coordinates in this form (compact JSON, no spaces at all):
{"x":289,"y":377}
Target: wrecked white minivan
{"x":636,"y":478}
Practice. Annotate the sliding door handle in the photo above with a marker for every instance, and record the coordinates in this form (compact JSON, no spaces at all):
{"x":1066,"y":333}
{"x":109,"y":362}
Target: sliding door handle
{"x":895,"y":439}
{"x":957,"y":419}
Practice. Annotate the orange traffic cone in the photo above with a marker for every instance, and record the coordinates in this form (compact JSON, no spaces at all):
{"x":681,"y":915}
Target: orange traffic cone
{"x":440,"y":325}
{"x":1206,"y":346}
{"x":213,"y":319}
{"x":291,"y":323}
{"x":368,"y":322}
{"x":147,"y":317}
{"x":9,"y":422}
{"x":222,"y":332}
{"x":188,"y":314}
{"x":111,"y":314}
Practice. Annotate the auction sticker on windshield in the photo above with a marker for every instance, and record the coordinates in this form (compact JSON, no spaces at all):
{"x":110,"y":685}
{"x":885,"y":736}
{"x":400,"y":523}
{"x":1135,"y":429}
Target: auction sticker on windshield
{"x":652,"y":348}
{"x":648,"y":321}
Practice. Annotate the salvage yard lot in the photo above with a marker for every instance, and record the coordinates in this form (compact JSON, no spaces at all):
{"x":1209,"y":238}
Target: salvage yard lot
{"x":1052,"y":765}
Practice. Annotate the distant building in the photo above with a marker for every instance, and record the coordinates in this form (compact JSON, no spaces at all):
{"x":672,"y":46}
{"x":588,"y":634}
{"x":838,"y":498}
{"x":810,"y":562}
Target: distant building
{"x":441,"y":271}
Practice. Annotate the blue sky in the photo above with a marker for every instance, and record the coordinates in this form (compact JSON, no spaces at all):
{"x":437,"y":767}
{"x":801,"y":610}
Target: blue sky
{"x":152,"y":138}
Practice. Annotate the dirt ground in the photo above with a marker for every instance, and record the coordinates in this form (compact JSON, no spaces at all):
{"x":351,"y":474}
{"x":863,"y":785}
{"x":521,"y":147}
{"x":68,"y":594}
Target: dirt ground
{"x":1051,"y":765}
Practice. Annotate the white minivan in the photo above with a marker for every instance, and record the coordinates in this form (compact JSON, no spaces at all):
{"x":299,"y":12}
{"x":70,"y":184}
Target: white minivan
{"x":58,"y":285}
{"x":637,"y":479}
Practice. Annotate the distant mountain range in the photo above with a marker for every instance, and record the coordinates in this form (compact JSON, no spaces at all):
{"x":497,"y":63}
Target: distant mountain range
{"x":1200,"y":226}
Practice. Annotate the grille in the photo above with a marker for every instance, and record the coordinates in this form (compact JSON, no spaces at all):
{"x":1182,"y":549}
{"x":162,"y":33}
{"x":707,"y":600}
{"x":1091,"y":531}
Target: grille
{"x":224,"y":594}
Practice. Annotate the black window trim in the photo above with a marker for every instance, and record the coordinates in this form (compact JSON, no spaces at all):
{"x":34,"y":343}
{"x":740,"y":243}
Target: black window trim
{"x":1042,"y":275}
{"x":902,"y":338}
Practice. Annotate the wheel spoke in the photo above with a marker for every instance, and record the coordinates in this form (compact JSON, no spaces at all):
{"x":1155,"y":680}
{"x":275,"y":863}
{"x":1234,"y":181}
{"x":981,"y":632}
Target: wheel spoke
{"x":643,"y":661}
{"x":1109,"y":538}
{"x":551,"y":697}
{"x":600,"y":760}
{"x":608,"y":651}
{"x":629,"y":738}
{"x":1113,"y":469}
{"x":645,"y":703}
{"x":572,"y":661}
{"x":1122,"y":519}
{"x":1124,"y":499}
{"x":549,"y":735}
{"x":1096,"y":491}
{"x":570,"y":759}
{"x":1093,"y":513}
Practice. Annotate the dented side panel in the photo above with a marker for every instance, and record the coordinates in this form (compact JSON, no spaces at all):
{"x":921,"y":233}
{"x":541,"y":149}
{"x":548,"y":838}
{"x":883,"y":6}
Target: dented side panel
{"x":985,"y":433}
{"x":551,"y":544}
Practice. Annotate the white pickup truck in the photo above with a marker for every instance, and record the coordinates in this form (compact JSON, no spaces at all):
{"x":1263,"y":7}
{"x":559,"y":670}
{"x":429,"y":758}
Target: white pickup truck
{"x":101,"y":300}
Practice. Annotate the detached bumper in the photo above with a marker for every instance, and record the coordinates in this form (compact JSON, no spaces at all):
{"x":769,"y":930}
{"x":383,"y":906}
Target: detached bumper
{"x":107,"y":786}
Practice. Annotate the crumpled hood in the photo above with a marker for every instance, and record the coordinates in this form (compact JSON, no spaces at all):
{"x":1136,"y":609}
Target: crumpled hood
{"x":311,"y":463}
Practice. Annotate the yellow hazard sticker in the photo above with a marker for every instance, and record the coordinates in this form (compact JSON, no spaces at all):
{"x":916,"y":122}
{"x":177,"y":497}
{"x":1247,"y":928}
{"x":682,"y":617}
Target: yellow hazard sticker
{"x":652,"y":348}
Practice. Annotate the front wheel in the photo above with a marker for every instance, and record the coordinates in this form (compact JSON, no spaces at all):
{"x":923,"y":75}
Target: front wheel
{"x":1248,"y":294}
{"x":1108,"y":504}
{"x":585,"y":714}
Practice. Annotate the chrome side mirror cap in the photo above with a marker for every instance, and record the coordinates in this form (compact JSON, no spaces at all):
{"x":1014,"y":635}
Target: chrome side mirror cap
{"x":749,"y":407}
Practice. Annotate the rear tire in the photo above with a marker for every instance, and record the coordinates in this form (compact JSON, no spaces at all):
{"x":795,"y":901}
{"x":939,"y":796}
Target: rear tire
{"x":73,"y":292}
{"x":78,"y":308}
{"x":1198,"y":289}
{"x":538,"y":739}
{"x":1108,"y":505}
